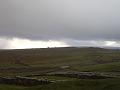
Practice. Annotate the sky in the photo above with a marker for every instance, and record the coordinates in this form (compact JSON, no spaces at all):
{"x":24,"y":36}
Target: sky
{"x":59,"y":23}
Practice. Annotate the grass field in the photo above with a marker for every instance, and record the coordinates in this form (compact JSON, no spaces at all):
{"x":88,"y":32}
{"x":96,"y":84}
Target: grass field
{"x":109,"y":84}
{"x":40,"y":61}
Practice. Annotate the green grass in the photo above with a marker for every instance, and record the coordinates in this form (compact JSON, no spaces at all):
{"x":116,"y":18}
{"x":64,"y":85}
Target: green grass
{"x":82,"y":85}
{"x":108,"y":84}
{"x":109,"y":67}
{"x":11,"y":87}
{"x":39,"y":61}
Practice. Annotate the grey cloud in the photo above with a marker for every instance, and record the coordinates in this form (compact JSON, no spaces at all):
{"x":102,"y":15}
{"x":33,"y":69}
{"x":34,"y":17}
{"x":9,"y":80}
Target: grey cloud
{"x":59,"y":19}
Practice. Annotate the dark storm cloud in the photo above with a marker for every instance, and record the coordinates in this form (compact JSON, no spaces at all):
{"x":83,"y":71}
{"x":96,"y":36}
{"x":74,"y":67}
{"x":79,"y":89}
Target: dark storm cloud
{"x":59,"y":19}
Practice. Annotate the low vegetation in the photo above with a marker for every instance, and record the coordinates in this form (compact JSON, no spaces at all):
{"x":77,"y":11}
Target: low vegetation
{"x":36,"y":63}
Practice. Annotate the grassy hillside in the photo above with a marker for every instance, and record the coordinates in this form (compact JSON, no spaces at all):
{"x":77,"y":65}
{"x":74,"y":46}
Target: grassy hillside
{"x":42,"y":60}
{"x":39,"y":61}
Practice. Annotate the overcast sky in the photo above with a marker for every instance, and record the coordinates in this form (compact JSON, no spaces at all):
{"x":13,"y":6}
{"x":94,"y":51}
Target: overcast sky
{"x":64,"y":22}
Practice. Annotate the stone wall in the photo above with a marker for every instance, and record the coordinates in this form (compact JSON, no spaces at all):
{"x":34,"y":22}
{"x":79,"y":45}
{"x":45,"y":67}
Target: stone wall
{"x":81,"y":75}
{"x":24,"y":81}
